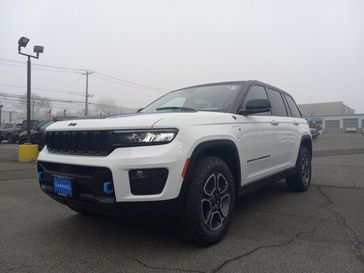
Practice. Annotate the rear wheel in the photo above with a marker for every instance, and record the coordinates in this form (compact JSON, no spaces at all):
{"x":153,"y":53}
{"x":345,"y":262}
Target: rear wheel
{"x":209,"y":202}
{"x":302,"y":179}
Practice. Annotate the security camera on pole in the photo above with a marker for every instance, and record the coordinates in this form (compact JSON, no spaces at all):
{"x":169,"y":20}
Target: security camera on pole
{"x":28,"y":153}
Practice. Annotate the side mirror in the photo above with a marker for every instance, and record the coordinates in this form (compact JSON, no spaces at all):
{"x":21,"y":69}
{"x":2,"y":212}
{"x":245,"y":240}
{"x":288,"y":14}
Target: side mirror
{"x":255,"y":107}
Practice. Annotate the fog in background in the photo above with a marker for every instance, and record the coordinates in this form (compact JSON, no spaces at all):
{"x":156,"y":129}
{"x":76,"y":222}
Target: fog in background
{"x":312,"y":49}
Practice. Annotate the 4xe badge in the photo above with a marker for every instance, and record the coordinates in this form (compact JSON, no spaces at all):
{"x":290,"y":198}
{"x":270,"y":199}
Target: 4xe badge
{"x":72,"y":124}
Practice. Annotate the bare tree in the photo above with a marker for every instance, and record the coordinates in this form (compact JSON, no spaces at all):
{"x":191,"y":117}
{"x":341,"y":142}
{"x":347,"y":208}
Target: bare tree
{"x":106,"y":107}
{"x":39,"y":105}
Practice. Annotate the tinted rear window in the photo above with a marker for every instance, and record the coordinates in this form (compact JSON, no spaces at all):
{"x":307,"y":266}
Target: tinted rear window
{"x":293,"y":107}
{"x":276,"y":100}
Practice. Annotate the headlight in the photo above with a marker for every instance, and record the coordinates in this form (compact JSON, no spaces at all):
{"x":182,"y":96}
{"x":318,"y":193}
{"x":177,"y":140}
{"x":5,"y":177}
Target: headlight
{"x":145,"y":137}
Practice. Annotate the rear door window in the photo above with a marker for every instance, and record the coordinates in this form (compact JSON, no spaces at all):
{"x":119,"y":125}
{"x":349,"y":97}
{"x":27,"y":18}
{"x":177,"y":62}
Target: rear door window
{"x":293,"y":107}
{"x":276,"y":100}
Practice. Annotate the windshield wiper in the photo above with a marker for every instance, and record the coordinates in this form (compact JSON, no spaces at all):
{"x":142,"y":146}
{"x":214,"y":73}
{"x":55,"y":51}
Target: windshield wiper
{"x":186,"y":109}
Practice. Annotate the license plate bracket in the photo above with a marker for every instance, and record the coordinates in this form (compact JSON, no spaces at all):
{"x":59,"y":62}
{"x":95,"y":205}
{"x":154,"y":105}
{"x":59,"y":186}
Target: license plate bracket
{"x":62,"y":186}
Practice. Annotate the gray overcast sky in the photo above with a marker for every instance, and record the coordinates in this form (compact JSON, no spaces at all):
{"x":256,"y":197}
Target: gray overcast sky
{"x":313,"y":49}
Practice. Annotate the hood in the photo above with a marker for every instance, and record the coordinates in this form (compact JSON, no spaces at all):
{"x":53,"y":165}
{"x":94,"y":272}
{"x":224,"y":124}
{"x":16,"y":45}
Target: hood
{"x":142,"y":121}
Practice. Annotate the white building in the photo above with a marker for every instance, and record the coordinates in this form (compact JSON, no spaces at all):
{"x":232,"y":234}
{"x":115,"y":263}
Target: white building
{"x":326,"y":108}
{"x":338,"y":123}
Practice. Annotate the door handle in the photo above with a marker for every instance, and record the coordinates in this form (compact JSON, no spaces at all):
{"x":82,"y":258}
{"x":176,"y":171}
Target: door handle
{"x":295,"y":123}
{"x":273,"y":122}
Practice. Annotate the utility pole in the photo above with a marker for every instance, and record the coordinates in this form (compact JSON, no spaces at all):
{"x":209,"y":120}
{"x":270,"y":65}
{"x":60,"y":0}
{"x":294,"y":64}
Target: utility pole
{"x":88,"y":72}
{"x":1,"y":106}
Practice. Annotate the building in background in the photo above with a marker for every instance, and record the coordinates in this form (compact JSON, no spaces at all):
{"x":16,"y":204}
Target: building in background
{"x":333,"y":117}
{"x":325,"y":108}
{"x":338,"y":123}
{"x":9,"y":116}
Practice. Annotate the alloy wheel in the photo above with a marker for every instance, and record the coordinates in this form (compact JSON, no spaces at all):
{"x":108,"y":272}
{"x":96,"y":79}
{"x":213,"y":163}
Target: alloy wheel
{"x":215,"y":203}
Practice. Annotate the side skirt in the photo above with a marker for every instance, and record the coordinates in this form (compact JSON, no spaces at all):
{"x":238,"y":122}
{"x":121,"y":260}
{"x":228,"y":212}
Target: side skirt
{"x":258,"y":184}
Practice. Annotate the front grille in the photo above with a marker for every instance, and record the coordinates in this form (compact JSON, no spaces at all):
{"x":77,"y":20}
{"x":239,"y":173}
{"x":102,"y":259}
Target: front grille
{"x":81,"y":142}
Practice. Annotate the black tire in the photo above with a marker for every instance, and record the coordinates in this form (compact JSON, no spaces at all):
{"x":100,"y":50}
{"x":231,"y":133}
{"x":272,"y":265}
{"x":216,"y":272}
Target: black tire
{"x":207,"y":209}
{"x":10,"y":139}
{"x":302,"y":179}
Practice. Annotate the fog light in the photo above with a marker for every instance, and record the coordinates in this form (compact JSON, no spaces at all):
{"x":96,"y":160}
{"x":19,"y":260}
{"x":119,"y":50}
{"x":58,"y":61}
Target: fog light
{"x":108,"y":188}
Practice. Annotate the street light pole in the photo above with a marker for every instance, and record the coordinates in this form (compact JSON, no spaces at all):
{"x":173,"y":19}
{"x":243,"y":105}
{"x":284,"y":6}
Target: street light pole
{"x":86,"y":106}
{"x":1,"y":106}
{"x":28,"y":97}
{"x":23,"y":41}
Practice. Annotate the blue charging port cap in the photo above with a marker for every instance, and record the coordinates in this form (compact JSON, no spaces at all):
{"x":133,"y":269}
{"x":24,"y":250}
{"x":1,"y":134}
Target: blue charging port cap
{"x":108,"y":188}
{"x":41,"y":177}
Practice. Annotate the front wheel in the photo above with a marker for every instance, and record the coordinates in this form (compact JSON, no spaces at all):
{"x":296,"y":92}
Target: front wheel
{"x":302,"y":179}
{"x":209,"y":202}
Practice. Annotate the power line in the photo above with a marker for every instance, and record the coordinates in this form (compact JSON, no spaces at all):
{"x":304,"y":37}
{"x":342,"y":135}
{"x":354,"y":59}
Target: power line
{"x":45,"y":66}
{"x":38,"y":68}
{"x":42,"y":89}
{"x":71,"y":93}
{"x":8,"y":95}
{"x":78,"y":70}
{"x":129,"y":82}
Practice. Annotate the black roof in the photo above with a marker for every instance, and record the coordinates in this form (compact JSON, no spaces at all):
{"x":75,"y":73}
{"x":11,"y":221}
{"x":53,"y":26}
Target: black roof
{"x":244,"y":82}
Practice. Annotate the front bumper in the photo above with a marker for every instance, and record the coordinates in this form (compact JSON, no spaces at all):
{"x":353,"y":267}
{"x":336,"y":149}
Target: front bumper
{"x":169,"y":156}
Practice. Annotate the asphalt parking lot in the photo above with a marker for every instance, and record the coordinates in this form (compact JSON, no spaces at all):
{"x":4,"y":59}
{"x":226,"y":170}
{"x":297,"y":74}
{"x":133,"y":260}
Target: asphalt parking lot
{"x":274,"y":230}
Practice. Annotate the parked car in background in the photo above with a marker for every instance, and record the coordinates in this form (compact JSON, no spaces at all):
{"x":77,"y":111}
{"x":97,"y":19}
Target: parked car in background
{"x":2,"y":128}
{"x":37,"y":134}
{"x":10,"y":132}
{"x":351,"y":129}
{"x":314,"y":132}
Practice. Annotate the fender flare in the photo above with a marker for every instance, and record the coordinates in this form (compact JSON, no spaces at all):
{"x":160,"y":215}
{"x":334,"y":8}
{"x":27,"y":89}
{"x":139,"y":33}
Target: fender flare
{"x":203,"y":146}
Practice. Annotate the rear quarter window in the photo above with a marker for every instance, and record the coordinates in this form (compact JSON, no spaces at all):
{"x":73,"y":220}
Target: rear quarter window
{"x":293,"y":107}
{"x":276,"y":100}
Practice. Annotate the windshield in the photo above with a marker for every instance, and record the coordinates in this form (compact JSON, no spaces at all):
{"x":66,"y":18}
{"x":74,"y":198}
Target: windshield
{"x":219,"y":98}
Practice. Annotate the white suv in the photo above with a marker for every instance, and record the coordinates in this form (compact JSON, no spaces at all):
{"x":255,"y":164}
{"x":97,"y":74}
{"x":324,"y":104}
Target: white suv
{"x":192,"y":152}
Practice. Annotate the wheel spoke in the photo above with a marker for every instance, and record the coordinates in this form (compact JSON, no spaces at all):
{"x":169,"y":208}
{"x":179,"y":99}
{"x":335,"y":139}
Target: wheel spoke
{"x":222,"y":184}
{"x":225,"y":205}
{"x":216,"y":220}
{"x":206,"y":210}
{"x":210,"y":185}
